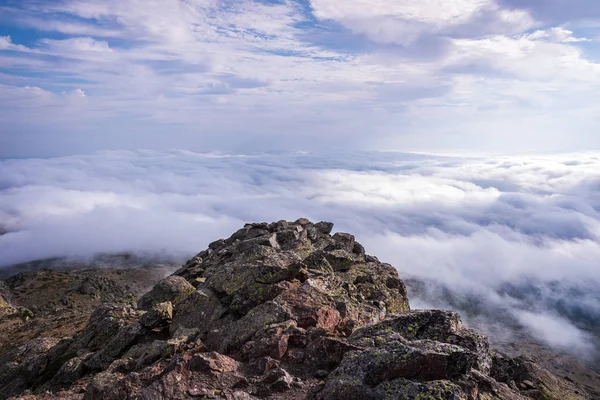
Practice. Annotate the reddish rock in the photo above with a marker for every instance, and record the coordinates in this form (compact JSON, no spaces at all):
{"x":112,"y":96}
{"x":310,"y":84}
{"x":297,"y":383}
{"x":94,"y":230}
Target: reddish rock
{"x":281,"y":310}
{"x":213,"y":362}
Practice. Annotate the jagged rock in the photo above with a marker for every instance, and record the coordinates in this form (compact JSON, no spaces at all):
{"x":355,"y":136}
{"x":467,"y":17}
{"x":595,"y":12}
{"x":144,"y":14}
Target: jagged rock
{"x":265,"y":364}
{"x":343,"y":241}
{"x":144,"y":354}
{"x":420,"y":361}
{"x":279,"y":380}
{"x":101,"y":287}
{"x":437,"y":325}
{"x":530,"y":379}
{"x":212,"y":362}
{"x":160,"y":314}
{"x":197,"y":312}
{"x":126,"y":337}
{"x":282,"y":310}
{"x":7,"y":306}
{"x":67,"y":374}
{"x":327,"y":352}
{"x":104,"y":324}
{"x":104,"y":386}
{"x":173,"y":289}
{"x":324,"y":227}
{"x":22,"y":366}
{"x":228,"y":335}
{"x":271,"y":341}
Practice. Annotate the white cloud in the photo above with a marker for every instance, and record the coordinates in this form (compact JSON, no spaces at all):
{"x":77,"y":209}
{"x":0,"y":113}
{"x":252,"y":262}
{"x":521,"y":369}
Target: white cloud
{"x":6,"y":43}
{"x":527,"y":58}
{"x":405,"y":22}
{"x":512,"y":235}
{"x":424,"y":75}
{"x":557,"y":332}
{"x":80,"y":44}
{"x":557,"y":34}
{"x":78,"y":93}
{"x":428,"y":11}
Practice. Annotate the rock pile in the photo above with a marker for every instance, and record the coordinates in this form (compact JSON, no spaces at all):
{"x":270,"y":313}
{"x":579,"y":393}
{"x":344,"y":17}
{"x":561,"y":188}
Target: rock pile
{"x":282,"y":311}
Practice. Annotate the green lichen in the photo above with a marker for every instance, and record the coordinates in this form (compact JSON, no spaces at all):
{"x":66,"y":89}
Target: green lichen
{"x":413,"y":328}
{"x":304,"y":250}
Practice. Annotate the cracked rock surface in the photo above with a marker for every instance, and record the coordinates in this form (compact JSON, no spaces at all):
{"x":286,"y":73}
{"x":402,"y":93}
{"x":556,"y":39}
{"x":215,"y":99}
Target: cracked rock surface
{"x":284,"y":310}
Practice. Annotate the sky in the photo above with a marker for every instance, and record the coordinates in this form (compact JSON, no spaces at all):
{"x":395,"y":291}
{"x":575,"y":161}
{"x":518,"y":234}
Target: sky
{"x":515,"y":236}
{"x":501,"y":76}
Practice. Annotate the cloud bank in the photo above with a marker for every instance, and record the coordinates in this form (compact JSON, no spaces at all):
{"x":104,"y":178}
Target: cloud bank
{"x":513,"y":237}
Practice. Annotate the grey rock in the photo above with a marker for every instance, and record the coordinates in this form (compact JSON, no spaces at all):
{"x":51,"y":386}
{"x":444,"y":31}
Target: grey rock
{"x":199,"y":311}
{"x":324,"y":227}
{"x":121,"y":342}
{"x":279,"y":380}
{"x":443,"y":326}
{"x":160,"y":314}
{"x":343,"y":241}
{"x":173,"y":288}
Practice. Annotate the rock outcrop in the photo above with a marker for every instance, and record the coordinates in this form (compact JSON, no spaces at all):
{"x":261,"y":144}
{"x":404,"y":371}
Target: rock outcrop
{"x":283,"y":311}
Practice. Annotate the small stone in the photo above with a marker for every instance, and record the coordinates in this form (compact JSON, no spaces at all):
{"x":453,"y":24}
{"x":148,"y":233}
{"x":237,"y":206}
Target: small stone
{"x":195,"y":392}
{"x":528,"y":384}
{"x":266,"y":364}
{"x":295,"y":356}
{"x":279,"y":380}
{"x":321,"y":374}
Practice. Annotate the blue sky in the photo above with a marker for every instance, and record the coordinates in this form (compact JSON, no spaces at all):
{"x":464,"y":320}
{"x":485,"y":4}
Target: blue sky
{"x":408,"y":75}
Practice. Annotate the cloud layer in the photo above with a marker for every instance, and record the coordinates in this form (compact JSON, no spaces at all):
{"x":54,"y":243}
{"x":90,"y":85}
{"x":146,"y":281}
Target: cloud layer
{"x":503,"y":75}
{"x":517,"y":237}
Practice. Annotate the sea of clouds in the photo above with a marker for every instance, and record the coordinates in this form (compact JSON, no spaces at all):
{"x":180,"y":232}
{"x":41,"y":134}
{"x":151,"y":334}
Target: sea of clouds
{"x":512,"y":238}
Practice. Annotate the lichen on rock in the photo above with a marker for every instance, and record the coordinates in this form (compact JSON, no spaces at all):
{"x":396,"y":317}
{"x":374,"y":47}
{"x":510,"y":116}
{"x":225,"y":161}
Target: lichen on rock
{"x":281,"y":310}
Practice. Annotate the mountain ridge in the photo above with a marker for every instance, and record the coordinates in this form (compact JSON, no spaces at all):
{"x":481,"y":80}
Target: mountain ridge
{"x":283,"y":310}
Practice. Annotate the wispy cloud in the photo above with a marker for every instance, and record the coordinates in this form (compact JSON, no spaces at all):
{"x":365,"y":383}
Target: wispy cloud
{"x":470,"y":74}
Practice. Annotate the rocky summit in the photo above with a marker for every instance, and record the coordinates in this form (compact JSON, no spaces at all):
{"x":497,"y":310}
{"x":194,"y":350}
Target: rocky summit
{"x":280,"y":311}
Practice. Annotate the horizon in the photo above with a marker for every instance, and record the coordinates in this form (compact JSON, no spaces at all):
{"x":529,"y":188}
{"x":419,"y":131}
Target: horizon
{"x":457,"y":153}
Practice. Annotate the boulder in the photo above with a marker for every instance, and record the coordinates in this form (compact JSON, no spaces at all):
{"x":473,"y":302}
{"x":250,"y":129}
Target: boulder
{"x":174,"y":289}
{"x":197,"y":312}
{"x":160,"y":314}
{"x":437,"y":325}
